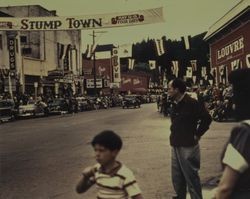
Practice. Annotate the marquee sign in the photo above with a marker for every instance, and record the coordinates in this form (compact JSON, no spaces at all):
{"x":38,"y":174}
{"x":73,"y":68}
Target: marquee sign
{"x":82,"y":22}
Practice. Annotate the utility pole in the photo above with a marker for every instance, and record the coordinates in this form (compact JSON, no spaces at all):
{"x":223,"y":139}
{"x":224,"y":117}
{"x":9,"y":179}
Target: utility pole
{"x":94,"y":58}
{"x":94,"y":68}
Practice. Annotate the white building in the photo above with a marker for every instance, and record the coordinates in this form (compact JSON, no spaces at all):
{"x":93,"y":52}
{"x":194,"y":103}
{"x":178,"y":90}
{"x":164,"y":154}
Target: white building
{"x":39,"y":61}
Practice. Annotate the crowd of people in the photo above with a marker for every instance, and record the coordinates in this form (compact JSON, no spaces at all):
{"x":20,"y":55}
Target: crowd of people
{"x":217,"y":99}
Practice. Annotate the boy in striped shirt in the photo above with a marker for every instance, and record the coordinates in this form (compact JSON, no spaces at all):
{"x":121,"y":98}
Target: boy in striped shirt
{"x":113,"y":179}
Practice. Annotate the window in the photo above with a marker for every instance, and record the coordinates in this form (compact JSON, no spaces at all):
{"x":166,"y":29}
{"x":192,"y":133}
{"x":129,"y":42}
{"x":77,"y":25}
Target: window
{"x":26,"y":51}
{"x":23,"y":39}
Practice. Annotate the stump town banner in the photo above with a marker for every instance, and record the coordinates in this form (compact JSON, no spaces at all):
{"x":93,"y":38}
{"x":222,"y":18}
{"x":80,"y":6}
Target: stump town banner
{"x":98,"y":21}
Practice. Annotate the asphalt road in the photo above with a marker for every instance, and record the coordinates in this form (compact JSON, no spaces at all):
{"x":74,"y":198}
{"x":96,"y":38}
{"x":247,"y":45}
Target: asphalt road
{"x":43,"y":158}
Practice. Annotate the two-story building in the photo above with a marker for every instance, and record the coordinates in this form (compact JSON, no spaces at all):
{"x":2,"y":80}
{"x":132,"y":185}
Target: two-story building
{"x":40,"y":61}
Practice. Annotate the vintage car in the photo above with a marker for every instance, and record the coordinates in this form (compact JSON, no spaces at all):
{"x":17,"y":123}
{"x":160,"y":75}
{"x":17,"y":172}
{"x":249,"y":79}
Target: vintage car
{"x":33,"y":109}
{"x":7,"y":110}
{"x":84,"y":104}
{"x":131,"y":101}
{"x":58,"y":106}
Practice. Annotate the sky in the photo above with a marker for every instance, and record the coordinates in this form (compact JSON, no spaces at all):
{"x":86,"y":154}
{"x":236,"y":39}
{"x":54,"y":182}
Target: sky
{"x":182,"y":17}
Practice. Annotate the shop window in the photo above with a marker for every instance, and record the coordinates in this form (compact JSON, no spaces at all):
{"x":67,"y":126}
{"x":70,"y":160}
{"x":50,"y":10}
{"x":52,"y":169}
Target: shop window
{"x":26,"y":51}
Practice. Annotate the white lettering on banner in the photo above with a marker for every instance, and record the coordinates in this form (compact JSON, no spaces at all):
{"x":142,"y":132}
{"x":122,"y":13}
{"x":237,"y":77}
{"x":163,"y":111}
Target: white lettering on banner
{"x":248,"y":60}
{"x":90,"y":83}
{"x":230,"y":49}
{"x":136,"y":81}
{"x":127,"y":19}
{"x":108,"y":20}
{"x":126,"y":81}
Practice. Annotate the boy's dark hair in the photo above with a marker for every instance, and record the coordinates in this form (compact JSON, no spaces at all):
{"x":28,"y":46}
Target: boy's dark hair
{"x":108,"y":139}
{"x":180,"y":84}
{"x":240,"y":79}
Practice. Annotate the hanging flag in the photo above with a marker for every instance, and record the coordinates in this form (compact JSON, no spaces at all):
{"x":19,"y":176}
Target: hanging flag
{"x":65,"y":58}
{"x":175,"y":68}
{"x":222,"y":70}
{"x":189,"y":72}
{"x":194,"y":79}
{"x":186,"y":40}
{"x":60,"y":50}
{"x":63,"y":51}
{"x":131,"y":63}
{"x":125,"y":50}
{"x":152,"y":64}
{"x":159,"y":69}
{"x":248,"y":60}
{"x":91,"y":50}
{"x":85,"y":54}
{"x":194,"y":64}
{"x":150,"y":83}
{"x":236,"y":64}
{"x":159,"y":47}
{"x":213,"y":71}
{"x":203,"y":71}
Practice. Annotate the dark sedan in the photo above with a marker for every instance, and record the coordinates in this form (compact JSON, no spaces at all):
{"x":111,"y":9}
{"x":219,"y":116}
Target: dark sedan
{"x":131,"y":101}
{"x":58,"y":106}
{"x":7,"y":110}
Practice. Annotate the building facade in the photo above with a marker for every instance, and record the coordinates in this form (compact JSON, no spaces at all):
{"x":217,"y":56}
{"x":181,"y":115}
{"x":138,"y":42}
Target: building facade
{"x":108,"y":79}
{"x":43,"y":62}
{"x":229,"y":40}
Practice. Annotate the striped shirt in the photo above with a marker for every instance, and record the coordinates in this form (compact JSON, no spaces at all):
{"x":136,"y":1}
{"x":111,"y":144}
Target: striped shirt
{"x":119,"y":185}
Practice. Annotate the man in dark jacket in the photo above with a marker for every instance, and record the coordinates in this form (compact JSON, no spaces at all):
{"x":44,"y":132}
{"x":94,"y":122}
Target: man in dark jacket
{"x":189,"y":121}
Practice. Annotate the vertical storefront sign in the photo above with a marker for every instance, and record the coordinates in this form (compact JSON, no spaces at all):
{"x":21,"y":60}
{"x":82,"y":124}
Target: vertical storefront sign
{"x":116,"y":66}
{"x":12,"y":54}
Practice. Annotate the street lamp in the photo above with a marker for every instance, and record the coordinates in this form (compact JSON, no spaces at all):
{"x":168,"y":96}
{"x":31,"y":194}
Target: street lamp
{"x":94,"y":59}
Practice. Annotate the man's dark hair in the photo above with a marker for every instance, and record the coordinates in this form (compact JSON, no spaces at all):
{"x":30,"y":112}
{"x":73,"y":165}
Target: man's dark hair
{"x":240,"y":79}
{"x":108,"y":139}
{"x":180,"y":84}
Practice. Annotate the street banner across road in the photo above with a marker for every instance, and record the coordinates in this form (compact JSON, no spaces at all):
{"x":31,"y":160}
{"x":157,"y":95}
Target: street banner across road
{"x":98,"y":21}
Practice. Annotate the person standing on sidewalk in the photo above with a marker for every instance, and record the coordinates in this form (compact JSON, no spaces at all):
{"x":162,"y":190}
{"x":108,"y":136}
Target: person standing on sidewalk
{"x":189,"y":121}
{"x":235,"y":180}
{"x":113,"y":179}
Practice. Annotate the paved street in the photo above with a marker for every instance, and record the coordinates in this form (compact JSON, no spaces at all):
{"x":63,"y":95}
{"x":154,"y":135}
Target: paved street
{"x":42,"y":158}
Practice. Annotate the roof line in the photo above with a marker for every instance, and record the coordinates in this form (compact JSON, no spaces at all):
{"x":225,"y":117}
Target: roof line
{"x":227,"y":18}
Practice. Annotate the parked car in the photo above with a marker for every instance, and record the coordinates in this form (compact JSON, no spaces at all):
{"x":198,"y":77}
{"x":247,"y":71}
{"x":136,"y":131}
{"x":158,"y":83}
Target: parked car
{"x":131,"y":101}
{"x":84,"y":104}
{"x":33,"y":109}
{"x":58,"y":106}
{"x":7,"y":110}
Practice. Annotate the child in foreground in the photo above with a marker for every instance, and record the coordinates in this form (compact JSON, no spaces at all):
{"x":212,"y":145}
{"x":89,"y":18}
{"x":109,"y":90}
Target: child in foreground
{"x":113,"y":179}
